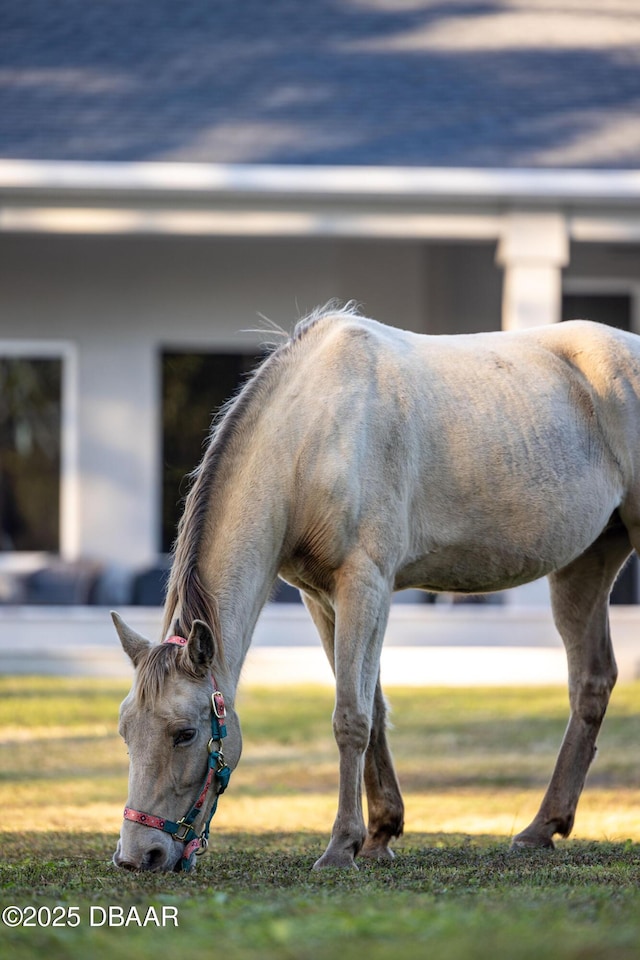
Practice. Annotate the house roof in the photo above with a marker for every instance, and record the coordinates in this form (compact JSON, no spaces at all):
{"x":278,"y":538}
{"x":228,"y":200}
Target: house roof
{"x":432,"y":83}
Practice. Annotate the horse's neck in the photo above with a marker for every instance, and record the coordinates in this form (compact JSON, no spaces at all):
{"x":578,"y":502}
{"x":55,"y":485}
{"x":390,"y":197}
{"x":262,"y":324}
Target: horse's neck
{"x":239,"y":563}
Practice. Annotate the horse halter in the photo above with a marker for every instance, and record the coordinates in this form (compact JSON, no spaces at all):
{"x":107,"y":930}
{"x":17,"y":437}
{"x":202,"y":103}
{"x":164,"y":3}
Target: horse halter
{"x":182,"y":830}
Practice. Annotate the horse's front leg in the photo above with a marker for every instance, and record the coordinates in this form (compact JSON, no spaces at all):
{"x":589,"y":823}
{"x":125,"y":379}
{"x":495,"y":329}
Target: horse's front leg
{"x":384,"y":800}
{"x":362,"y":609}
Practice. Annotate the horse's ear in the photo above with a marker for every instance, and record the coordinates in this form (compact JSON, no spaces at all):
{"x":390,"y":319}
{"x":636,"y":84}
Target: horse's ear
{"x":133,"y":644}
{"x":200,"y":647}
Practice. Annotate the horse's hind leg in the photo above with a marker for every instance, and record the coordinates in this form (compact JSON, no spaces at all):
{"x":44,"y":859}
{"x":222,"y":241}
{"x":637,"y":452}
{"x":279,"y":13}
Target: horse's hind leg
{"x":384,"y":799}
{"x":580,"y":602}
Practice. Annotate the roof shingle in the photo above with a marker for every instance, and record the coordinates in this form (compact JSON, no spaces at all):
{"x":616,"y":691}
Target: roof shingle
{"x":500,"y":83}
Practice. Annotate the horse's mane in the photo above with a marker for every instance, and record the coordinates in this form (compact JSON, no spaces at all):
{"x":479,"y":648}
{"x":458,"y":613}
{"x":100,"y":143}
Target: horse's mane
{"x":159,"y":662}
{"x":185,"y":590}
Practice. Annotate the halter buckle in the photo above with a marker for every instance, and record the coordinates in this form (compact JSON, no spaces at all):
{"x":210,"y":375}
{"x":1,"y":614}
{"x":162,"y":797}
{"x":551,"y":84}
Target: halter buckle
{"x":217,"y":705}
{"x":187,"y":827}
{"x":204,"y":843}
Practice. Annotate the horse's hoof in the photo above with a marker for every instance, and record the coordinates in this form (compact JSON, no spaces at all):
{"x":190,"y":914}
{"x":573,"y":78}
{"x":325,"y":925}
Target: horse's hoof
{"x":525,"y":842}
{"x":336,"y":861}
{"x":378,"y":851}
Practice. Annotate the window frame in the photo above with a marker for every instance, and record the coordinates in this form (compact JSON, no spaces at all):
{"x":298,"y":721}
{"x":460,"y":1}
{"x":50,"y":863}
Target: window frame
{"x":251,"y":352}
{"x":68,"y":526}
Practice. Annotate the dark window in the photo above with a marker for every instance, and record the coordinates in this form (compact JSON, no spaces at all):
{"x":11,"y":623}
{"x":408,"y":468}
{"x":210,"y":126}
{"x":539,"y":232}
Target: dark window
{"x":30,"y":421}
{"x":194,"y":386}
{"x":613,"y":309}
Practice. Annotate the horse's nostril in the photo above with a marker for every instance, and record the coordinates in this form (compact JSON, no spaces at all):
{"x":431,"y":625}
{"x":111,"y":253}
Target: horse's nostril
{"x":155,"y":859}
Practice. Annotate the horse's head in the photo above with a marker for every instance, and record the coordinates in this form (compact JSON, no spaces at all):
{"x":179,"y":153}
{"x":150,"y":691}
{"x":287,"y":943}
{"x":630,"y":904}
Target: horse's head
{"x":175,"y":730}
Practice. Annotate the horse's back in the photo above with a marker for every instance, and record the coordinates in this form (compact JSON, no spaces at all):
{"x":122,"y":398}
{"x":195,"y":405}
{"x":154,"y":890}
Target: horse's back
{"x":486,"y":379}
{"x":367,"y":373}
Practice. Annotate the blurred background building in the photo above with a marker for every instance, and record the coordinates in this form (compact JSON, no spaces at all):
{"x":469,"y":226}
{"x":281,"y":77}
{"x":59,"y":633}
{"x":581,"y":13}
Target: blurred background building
{"x":173,"y":173}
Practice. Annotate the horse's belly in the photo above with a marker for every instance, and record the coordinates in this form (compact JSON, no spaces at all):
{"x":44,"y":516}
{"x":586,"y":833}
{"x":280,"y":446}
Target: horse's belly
{"x":466,"y":570}
{"x":484,"y":557}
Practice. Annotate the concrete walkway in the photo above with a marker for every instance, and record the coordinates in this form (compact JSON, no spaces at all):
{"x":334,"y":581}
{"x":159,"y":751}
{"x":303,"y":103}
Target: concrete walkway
{"x":425,"y":644}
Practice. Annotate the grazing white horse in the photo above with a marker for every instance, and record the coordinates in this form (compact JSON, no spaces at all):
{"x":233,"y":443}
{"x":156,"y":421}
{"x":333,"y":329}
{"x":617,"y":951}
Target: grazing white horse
{"x":361,"y":459}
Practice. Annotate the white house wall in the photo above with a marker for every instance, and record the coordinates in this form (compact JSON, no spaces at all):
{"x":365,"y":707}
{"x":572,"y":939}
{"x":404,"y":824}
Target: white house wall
{"x":122,"y":300}
{"x":463,"y":288}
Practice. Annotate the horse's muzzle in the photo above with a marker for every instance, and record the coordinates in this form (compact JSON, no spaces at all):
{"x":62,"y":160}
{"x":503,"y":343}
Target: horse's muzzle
{"x":159,"y":856}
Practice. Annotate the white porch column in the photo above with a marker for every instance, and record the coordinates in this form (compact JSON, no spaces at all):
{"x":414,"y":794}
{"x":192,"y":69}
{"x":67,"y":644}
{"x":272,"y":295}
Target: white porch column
{"x":533,"y":249}
{"x":116,"y":461}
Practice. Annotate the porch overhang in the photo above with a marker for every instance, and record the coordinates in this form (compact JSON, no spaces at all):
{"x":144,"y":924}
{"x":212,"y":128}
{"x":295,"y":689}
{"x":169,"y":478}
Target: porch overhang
{"x":405,"y":203}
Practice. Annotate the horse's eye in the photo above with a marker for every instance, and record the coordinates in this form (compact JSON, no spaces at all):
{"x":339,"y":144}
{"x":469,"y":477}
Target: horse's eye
{"x":184,"y":736}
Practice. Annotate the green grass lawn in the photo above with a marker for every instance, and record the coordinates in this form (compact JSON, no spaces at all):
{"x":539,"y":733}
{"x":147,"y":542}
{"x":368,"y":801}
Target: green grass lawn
{"x":473,"y":764}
